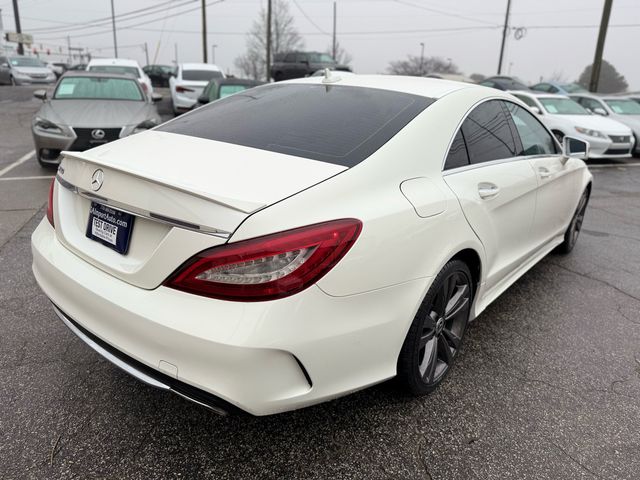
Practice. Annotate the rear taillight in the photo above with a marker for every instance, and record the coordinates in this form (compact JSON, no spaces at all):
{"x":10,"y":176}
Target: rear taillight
{"x":145,"y":87}
{"x":50,"y":203}
{"x":269,"y":267}
{"x":180,"y":89}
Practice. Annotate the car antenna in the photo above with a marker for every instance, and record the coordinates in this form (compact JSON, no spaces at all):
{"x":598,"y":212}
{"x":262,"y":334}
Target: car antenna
{"x":329,"y":78}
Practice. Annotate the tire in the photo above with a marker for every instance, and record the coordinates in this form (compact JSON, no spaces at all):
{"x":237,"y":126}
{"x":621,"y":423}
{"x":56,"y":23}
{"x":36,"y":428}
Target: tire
{"x":436,"y":333}
{"x":573,"y":230}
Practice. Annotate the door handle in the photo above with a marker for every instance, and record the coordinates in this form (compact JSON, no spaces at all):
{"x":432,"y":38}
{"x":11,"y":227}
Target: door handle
{"x":488,"y":190}
{"x":544,"y":172}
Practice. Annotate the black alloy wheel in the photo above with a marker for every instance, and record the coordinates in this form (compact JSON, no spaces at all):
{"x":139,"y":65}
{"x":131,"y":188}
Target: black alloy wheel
{"x":436,"y":334}
{"x":573,"y":230}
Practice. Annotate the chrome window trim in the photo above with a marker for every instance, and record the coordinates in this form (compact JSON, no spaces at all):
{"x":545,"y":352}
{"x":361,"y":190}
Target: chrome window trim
{"x":138,"y":212}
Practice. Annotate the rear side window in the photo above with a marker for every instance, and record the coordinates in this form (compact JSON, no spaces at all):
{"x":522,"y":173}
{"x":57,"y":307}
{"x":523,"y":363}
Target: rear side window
{"x":200,"y":75}
{"x":337,"y":124}
{"x":487,"y":133}
{"x":458,"y":156}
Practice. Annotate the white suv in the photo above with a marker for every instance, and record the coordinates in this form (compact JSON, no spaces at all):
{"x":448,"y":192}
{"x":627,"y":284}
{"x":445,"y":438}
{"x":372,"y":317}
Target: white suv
{"x":189,"y":82}
{"x":122,"y":66}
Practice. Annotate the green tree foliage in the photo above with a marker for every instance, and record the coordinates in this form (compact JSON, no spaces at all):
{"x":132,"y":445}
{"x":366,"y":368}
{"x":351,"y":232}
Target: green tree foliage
{"x":610,"y":79}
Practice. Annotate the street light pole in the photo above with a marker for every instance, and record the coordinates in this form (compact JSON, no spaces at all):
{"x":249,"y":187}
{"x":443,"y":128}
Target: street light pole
{"x":268,"y":60}
{"x":113,"y":25}
{"x":597,"y":60}
{"x":16,"y":15}
{"x":505,"y":30}
{"x":422,"y":59}
{"x":204,"y":31}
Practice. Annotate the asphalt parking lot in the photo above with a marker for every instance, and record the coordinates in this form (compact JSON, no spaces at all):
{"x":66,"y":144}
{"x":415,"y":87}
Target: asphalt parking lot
{"x":547,"y":385}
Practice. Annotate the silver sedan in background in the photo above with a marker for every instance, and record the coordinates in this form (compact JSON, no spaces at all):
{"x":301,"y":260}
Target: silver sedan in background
{"x":90,"y":109}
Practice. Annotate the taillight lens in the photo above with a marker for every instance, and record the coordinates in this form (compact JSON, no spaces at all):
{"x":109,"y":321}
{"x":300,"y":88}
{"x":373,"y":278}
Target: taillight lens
{"x":145,"y":87}
{"x":269,"y":267}
{"x":180,"y":89}
{"x":50,"y":203}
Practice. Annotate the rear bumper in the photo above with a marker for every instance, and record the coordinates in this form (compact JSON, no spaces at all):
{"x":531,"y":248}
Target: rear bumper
{"x":143,"y":373}
{"x":261,"y":357}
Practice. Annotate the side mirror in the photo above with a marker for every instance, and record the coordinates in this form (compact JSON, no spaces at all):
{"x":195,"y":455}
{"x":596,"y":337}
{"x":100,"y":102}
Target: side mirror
{"x":574,"y":148}
{"x":535,"y":110}
{"x":599,"y":111}
{"x":156,"y":97}
{"x":40,"y":94}
{"x":203,"y":99}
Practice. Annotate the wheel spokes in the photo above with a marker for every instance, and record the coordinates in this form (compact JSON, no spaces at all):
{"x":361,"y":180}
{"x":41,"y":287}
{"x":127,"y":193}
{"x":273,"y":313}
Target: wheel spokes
{"x":457,"y":302}
{"x":452,"y":339}
{"x":430,"y":369}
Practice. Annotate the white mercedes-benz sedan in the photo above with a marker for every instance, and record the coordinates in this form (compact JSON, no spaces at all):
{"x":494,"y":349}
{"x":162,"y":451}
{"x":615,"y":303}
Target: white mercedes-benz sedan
{"x":302,"y":240}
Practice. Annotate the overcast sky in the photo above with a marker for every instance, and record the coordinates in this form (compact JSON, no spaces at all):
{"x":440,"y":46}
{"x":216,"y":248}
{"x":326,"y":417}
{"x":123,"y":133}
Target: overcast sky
{"x":560,"y":35}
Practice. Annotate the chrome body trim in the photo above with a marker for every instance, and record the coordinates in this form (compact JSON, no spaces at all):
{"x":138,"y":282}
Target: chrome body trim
{"x":138,"y":212}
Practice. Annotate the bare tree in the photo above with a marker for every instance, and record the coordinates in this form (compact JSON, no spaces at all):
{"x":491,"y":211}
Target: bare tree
{"x":284,"y":37}
{"x":558,"y":76}
{"x":417,"y":66}
{"x":342,"y":56}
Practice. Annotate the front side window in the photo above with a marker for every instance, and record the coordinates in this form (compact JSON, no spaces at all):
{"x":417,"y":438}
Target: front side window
{"x":487,"y":133}
{"x":535,"y":139}
{"x":591,"y":104}
{"x":541,"y":87}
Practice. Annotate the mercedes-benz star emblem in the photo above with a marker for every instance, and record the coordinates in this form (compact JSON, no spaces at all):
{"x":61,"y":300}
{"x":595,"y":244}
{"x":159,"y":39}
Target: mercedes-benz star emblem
{"x":98,"y":134}
{"x":96,"y":180}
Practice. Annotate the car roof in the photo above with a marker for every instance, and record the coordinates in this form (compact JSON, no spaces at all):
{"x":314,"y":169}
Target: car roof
{"x":200,"y":66}
{"x":84,"y":73}
{"x":425,"y":87}
{"x":237,"y":81}
{"x":535,"y":94}
{"x":121,"y":62}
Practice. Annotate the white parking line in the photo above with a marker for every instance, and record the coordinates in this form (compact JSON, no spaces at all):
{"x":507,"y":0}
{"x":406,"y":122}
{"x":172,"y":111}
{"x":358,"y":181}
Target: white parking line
{"x":37,"y":177}
{"x":615,"y":165}
{"x":20,"y":161}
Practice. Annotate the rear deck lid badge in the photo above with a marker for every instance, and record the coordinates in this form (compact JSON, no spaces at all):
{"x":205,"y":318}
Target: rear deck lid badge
{"x":97,"y":179}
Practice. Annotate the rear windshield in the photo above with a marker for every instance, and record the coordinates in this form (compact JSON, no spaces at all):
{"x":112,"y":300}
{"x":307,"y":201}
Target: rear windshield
{"x":132,"y":71}
{"x":200,"y":75}
{"x":226,"y":90}
{"x":335,"y":124}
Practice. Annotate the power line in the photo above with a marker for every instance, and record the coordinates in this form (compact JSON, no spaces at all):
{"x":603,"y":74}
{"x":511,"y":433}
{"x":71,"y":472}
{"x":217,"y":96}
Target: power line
{"x":443,"y":12}
{"x":309,"y":18}
{"x":131,"y":26}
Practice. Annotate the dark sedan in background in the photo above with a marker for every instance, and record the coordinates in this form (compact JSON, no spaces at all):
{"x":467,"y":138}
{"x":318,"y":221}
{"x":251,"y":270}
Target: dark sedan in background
{"x":223,"y":87}
{"x":90,"y":109}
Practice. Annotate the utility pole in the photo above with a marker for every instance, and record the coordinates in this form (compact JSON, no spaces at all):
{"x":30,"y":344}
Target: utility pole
{"x":204,"y":31}
{"x":213,"y":53}
{"x":334,"y":31}
{"x":175,"y":53}
{"x":504,"y":36}
{"x":597,"y":60}
{"x":113,"y":24}
{"x":16,"y":15}
{"x":68,"y":49}
{"x":268,"y":62}
{"x":146,"y":52}
{"x":1,"y":34}
{"x":422,"y":59}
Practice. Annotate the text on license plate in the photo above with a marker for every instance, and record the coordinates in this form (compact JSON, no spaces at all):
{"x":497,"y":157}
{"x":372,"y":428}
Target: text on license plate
{"x":104,"y":231}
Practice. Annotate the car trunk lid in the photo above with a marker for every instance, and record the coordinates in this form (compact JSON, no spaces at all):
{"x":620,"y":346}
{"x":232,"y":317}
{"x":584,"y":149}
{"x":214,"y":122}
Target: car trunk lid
{"x":186,"y":193}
